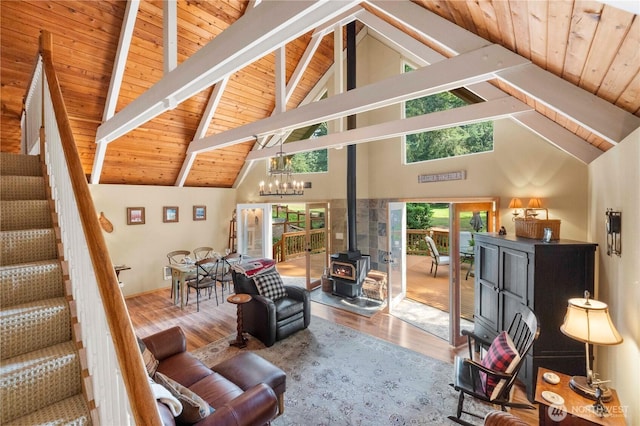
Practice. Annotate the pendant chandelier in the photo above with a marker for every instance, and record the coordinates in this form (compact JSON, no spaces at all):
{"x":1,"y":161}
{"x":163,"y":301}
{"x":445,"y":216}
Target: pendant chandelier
{"x":279,"y":180}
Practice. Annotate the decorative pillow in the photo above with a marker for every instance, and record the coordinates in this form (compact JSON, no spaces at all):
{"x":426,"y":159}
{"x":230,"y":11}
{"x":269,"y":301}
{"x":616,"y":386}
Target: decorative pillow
{"x":270,"y":285}
{"x":194,"y":408}
{"x":150,"y":361}
{"x":502,"y":356}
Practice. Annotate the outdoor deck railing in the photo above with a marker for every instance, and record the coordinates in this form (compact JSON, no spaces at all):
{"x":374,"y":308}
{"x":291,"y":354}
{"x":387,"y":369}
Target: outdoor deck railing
{"x":293,"y":244}
{"x":417,"y":245}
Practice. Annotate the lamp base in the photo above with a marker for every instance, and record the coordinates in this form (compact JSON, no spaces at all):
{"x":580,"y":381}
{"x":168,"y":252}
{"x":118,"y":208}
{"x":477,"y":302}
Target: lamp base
{"x":579,"y":385}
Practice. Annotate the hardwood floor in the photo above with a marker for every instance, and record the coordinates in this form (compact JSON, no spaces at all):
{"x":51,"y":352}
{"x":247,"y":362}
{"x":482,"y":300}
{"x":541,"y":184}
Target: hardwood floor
{"x":154,"y":311}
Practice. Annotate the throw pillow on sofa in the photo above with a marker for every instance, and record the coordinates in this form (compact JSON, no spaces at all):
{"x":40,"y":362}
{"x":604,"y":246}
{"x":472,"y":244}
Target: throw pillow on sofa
{"x":194,"y":408}
{"x":502,"y":356}
{"x":150,"y":361}
{"x":270,"y":285}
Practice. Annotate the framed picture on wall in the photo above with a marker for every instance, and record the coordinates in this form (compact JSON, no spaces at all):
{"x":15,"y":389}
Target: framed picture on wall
{"x":199,"y":212}
{"x":135,"y":215}
{"x":170,"y":214}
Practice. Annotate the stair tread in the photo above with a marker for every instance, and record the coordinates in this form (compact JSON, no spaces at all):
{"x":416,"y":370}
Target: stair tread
{"x":28,"y":245}
{"x":69,"y":411}
{"x":26,"y":282}
{"x":31,"y":381}
{"x":33,"y":325}
{"x":19,"y":164}
{"x":25,"y":214}
{"x":17,"y":188}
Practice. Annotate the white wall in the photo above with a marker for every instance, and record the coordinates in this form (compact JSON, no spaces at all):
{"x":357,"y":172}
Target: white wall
{"x":614,"y":182}
{"x":144,"y":247}
{"x":521,"y":165}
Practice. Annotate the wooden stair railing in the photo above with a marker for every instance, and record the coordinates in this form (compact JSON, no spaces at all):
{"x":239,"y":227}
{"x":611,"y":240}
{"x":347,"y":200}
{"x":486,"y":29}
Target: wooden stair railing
{"x":141,"y":399}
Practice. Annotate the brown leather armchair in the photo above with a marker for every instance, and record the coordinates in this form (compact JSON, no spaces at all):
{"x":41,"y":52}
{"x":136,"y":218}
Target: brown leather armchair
{"x":270,"y":321}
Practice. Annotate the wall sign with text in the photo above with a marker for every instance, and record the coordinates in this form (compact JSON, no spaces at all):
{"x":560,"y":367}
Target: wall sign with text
{"x":443,"y":177}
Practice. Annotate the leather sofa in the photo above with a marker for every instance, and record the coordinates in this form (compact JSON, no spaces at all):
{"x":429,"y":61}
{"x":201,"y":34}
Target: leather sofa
{"x":244,"y":390}
{"x":270,"y":321}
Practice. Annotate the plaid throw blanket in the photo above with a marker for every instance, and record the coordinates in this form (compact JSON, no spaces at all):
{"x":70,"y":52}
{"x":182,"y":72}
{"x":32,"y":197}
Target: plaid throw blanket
{"x":254,"y":266}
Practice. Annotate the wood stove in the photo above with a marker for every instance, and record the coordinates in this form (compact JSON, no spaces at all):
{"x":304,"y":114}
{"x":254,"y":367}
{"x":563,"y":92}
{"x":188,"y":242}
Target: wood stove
{"x":348,"y":271}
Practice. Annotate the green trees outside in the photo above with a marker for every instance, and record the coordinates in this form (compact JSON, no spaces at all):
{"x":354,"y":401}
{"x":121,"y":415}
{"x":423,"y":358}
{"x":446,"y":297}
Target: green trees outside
{"x":419,"y":215}
{"x":312,"y":161}
{"x":450,"y":142}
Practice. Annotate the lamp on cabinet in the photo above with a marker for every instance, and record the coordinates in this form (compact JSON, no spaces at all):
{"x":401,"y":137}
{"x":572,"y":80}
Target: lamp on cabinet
{"x":533,"y":206}
{"x":515,"y":204}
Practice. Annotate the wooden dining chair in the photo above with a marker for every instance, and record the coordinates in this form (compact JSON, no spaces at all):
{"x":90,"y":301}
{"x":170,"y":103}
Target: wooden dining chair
{"x":177,"y":257}
{"x":205,"y":279}
{"x":203,"y":253}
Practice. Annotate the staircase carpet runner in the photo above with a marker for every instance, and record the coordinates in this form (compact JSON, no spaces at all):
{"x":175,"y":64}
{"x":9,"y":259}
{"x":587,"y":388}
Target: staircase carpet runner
{"x":40,"y":368}
{"x":71,"y":411}
{"x":30,"y":281}
{"x":36,"y":379}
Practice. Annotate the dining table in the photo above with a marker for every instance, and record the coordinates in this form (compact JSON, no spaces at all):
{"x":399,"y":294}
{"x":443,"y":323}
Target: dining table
{"x":180,"y":273}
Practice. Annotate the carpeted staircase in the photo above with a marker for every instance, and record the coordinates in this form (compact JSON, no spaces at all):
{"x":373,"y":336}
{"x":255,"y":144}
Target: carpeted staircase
{"x":40,"y":371}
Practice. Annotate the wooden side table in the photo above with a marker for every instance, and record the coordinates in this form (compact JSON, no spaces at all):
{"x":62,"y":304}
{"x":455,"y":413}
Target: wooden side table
{"x":239,"y":299}
{"x":576,"y":408}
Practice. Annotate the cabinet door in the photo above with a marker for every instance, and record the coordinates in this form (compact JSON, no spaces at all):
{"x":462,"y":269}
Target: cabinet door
{"x":514,"y":278}
{"x":486,"y":288}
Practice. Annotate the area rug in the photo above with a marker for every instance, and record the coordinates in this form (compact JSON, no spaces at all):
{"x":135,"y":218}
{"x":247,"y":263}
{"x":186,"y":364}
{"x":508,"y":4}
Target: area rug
{"x":339,"y":376}
{"x":427,"y":318}
{"x":359,"y":305}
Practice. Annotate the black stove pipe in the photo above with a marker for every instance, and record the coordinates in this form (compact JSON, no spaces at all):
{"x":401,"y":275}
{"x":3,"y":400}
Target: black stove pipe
{"x":352,"y":234}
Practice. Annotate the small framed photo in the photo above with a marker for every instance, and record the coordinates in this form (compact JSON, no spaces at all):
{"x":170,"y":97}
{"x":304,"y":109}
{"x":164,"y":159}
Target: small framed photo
{"x":199,"y":212}
{"x":170,"y":214}
{"x":135,"y":215}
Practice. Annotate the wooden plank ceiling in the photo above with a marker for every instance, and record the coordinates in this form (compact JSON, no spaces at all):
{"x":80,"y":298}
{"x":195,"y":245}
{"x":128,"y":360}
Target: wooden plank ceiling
{"x":589,"y":44}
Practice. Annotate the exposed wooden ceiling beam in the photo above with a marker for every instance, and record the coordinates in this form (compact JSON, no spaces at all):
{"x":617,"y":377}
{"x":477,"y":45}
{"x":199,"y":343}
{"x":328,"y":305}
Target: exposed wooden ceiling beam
{"x":456,"y":72}
{"x":203,"y":126}
{"x":423,"y":55}
{"x":260,"y":31}
{"x":450,"y":37}
{"x":170,"y":34}
{"x":492,"y":110}
{"x":599,"y":116}
{"x":119,"y":65}
{"x":558,"y":136}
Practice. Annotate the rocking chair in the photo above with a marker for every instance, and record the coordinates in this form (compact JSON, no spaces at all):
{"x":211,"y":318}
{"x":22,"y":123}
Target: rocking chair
{"x":492,"y":378}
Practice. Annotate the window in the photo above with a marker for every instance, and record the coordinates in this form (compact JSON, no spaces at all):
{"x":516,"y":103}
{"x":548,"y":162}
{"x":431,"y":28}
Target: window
{"x":311,"y":161}
{"x":450,"y":142}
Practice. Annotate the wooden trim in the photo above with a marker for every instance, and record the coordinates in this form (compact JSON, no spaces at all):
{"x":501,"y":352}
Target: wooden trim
{"x":141,"y":399}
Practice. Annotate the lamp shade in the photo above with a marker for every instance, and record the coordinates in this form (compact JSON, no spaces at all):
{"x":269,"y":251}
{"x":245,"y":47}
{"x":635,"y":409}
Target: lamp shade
{"x":515,"y":203}
{"x":534,"y":203}
{"x":588,"y":321}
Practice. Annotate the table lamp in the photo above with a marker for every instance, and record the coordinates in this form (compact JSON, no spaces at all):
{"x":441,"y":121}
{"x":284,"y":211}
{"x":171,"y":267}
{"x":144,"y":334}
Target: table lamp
{"x":534,"y":205}
{"x":515,"y":204}
{"x":588,"y":321}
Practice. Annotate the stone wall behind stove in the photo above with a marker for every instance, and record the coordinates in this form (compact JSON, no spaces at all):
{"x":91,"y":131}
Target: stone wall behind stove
{"x":371,"y":224}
